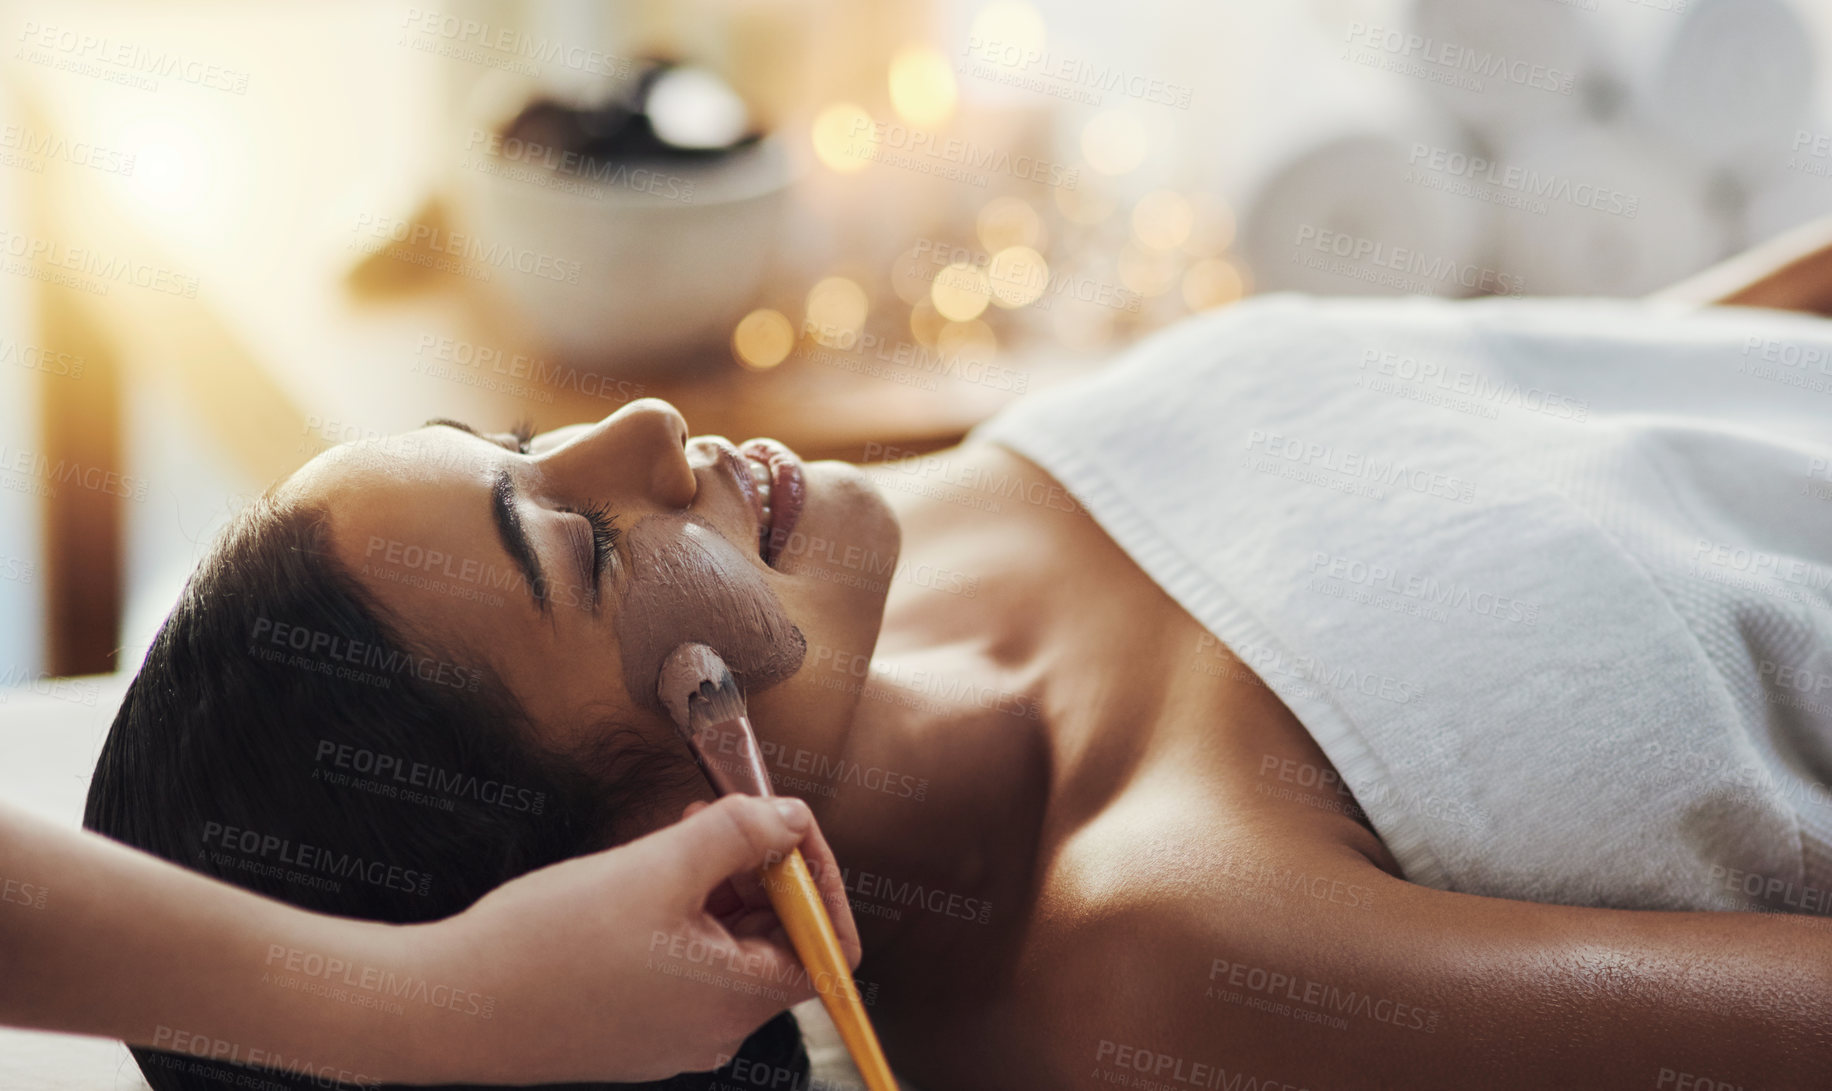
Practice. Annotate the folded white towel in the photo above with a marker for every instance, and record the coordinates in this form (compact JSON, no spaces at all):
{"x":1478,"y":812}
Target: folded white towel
{"x":1547,"y":580}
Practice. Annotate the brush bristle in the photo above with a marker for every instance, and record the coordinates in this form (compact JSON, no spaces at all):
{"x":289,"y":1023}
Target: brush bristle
{"x":697,"y":688}
{"x":715,"y":703}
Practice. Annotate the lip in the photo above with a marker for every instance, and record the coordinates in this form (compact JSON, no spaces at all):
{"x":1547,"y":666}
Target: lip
{"x":788,"y":492}
{"x":739,"y":467}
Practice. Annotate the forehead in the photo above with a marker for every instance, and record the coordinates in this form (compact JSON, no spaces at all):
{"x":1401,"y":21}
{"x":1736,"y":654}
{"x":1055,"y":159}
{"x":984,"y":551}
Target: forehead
{"x":426,"y":455}
{"x":395,"y":484}
{"x":410,"y":518}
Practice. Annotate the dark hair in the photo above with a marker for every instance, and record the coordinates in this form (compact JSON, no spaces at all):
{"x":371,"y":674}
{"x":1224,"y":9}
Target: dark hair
{"x":287,"y":735}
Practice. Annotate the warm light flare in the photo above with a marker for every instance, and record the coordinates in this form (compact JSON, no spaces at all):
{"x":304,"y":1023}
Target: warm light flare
{"x":843,"y":137}
{"x":836,"y":311}
{"x":1018,"y":276}
{"x":763,"y":339}
{"x":1008,"y":30}
{"x":922,"y":86}
{"x":1162,"y":220}
{"x":960,"y":292}
{"x":1009,"y":221}
{"x":1212,"y":282}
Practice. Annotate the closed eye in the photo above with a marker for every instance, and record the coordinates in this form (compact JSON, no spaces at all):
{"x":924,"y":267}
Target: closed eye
{"x":605,"y":536}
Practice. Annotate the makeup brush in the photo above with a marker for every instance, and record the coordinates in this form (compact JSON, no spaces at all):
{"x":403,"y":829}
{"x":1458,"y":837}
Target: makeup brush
{"x":702,"y":697}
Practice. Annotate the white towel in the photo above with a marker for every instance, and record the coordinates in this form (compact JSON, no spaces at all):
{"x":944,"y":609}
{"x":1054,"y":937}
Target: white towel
{"x":1547,"y":580}
{"x":1725,"y":81}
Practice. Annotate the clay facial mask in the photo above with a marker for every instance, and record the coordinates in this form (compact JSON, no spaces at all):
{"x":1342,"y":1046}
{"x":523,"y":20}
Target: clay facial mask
{"x":689,"y":584}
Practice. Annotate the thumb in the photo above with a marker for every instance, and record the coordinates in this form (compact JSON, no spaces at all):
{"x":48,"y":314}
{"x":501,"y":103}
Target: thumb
{"x":735,"y":835}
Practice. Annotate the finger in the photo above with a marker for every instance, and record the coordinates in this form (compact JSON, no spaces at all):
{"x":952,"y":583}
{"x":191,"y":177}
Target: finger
{"x":734,"y":836}
{"x":772,"y":960}
{"x":749,"y":887}
{"x":745,"y":891}
{"x":754,"y":922}
{"x":826,"y":872}
{"x":724,"y":903}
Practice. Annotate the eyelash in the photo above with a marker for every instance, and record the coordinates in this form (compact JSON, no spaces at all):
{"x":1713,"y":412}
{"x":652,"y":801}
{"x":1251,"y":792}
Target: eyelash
{"x":605,"y":534}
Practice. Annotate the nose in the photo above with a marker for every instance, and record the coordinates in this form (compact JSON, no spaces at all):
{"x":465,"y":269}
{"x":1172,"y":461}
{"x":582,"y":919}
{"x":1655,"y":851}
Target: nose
{"x":636,"y":453}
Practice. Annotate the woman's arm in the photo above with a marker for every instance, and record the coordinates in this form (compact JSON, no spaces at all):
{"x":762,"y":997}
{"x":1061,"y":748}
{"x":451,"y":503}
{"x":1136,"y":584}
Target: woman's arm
{"x":597,"y":968}
{"x":1316,"y":969}
{"x":1791,"y":272}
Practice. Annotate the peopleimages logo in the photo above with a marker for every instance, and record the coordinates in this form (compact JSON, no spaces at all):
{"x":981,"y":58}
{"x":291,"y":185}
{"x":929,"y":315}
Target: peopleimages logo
{"x":1321,"y":996}
{"x":1542,"y":188}
{"x":897,"y":137}
{"x":106,"y":269}
{"x":414,"y":774}
{"x":1373,"y":260}
{"x":1449,"y":57}
{"x":575,"y":164}
{"x":307,"y":861}
{"x":469,"y":248}
{"x":52,"y":473}
{"x":330,"y":970}
{"x":339,"y":656}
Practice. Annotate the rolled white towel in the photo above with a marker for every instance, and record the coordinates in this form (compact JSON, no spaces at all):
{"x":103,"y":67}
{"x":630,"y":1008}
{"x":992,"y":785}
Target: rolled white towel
{"x":1352,"y":215}
{"x":1501,"y":66}
{"x":1606,"y":213}
{"x":1727,"y":82}
{"x":1800,"y":191}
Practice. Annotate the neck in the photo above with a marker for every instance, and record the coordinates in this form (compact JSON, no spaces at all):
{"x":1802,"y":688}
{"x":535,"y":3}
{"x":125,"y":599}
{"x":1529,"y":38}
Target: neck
{"x":958,"y":723}
{"x":938,"y":801}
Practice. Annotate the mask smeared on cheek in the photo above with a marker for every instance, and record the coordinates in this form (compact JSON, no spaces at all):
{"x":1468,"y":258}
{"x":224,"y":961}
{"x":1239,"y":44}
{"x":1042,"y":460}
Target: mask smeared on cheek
{"x":689,"y":584}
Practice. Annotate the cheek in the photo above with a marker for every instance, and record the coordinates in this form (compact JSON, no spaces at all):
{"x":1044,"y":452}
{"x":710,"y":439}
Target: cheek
{"x":689,"y":585}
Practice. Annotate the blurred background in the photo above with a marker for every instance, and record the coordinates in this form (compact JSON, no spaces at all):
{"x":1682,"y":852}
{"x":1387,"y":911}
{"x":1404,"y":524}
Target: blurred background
{"x":235,"y":235}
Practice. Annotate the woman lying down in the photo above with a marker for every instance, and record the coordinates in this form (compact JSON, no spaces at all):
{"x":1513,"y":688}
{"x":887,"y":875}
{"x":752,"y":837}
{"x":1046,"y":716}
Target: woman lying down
{"x":1325,"y":695}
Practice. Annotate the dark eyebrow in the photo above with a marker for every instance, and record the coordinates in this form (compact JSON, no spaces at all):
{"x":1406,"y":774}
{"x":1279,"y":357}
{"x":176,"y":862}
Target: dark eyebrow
{"x":515,"y":539}
{"x":447,"y":422}
{"x":523,"y":432}
{"x":508,"y":521}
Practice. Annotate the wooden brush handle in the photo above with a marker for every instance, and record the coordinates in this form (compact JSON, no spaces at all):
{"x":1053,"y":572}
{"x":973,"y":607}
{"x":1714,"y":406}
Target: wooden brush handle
{"x":798,"y":905}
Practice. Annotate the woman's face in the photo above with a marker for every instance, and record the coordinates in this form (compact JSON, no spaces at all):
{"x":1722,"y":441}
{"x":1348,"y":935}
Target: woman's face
{"x":574,"y":562}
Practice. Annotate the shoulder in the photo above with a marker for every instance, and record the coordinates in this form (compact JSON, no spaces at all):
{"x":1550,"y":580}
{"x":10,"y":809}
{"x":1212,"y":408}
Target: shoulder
{"x":1176,"y":955}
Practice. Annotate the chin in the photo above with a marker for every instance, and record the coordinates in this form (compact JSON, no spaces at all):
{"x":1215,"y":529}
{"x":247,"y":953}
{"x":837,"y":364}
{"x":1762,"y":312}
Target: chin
{"x":845,"y":529}
{"x":836,"y":570}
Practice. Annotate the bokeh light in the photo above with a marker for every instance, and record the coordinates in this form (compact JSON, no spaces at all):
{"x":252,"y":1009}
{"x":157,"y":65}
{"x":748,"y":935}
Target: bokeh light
{"x":763,"y":339}
{"x":969,"y":341}
{"x":1084,"y":204}
{"x":1017,"y":275}
{"x":836,"y":312}
{"x":911,"y":274}
{"x":1009,"y":28}
{"x":1162,"y":220}
{"x":960,"y":292}
{"x":1146,"y":272}
{"x":926,"y":323}
{"x":1212,"y":282}
{"x":843,"y":137}
{"x":922,"y":86}
{"x":1009,"y":221}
